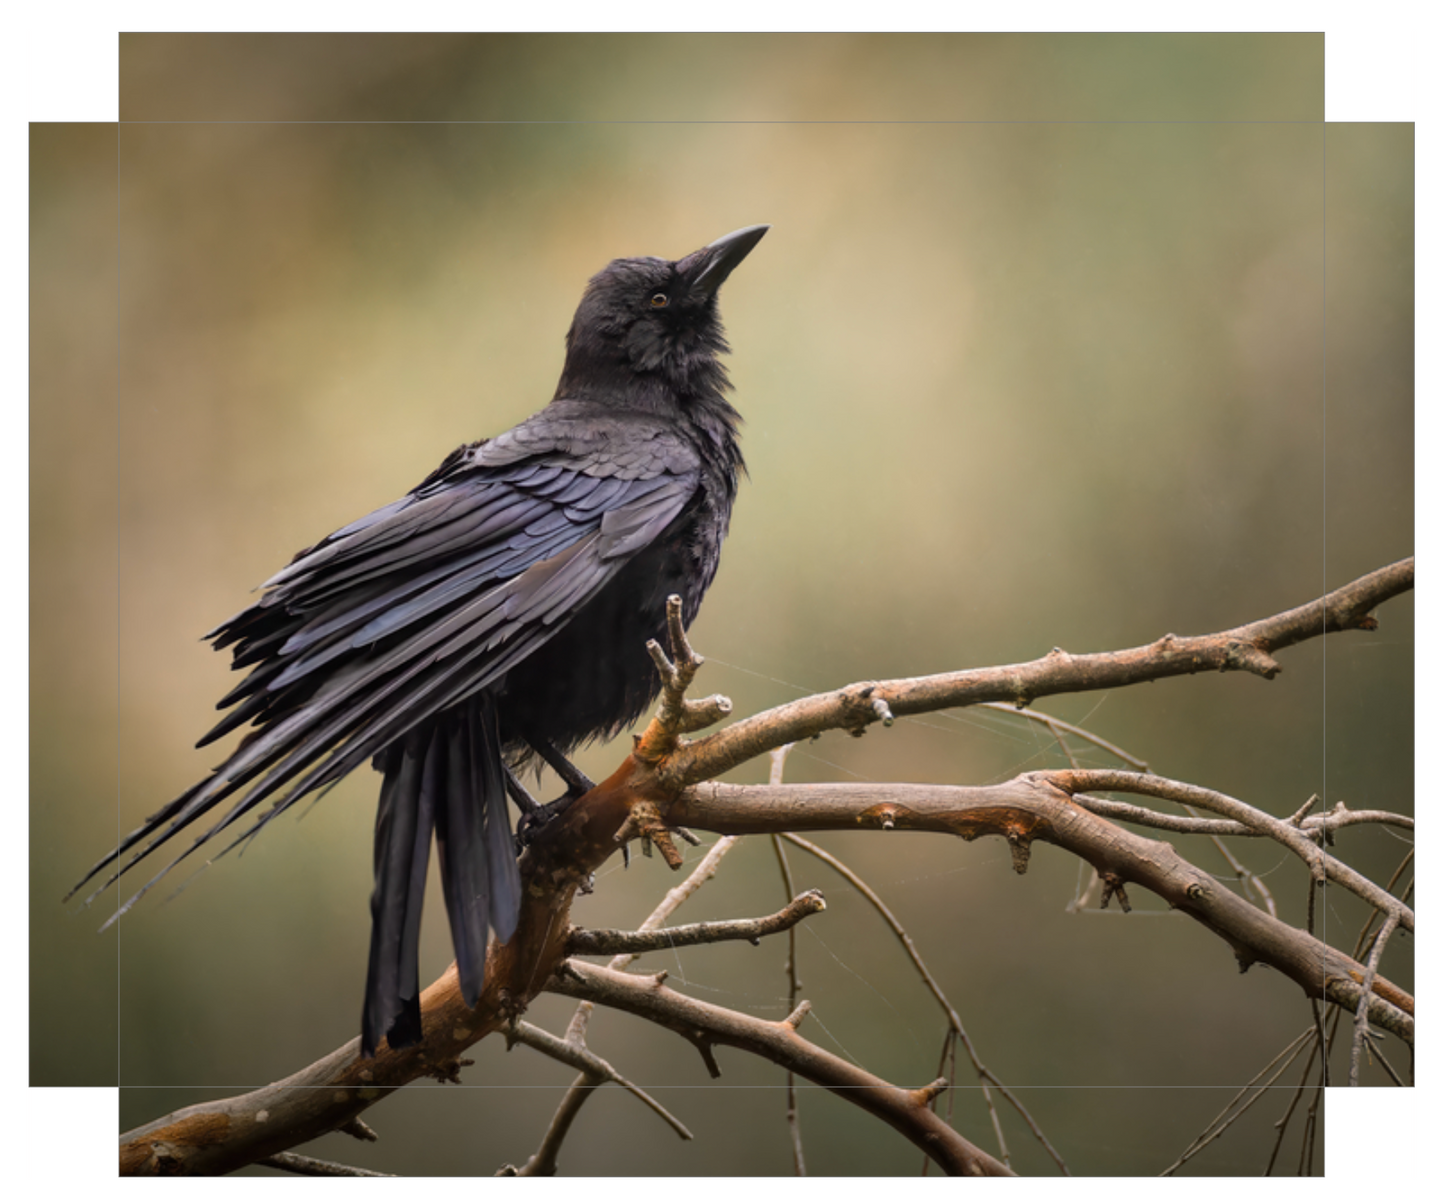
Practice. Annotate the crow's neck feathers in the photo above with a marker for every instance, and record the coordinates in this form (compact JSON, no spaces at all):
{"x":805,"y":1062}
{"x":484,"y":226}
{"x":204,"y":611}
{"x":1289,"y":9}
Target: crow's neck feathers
{"x":627,"y":352}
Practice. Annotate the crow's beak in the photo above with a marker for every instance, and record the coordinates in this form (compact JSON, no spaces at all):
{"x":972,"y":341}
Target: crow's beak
{"x":715,"y":261}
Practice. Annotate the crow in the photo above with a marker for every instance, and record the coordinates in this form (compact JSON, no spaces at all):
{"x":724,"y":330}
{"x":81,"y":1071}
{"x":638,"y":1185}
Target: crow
{"x":497,"y":612}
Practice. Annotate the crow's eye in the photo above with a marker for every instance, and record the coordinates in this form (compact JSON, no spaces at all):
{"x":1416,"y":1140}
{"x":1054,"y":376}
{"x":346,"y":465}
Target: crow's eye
{"x":659,"y":300}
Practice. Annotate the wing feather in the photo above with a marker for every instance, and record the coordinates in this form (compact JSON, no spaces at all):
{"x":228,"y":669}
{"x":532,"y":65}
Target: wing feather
{"x":416,"y":607}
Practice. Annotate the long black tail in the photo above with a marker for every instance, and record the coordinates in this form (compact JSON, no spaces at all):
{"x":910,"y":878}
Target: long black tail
{"x":446,"y":775}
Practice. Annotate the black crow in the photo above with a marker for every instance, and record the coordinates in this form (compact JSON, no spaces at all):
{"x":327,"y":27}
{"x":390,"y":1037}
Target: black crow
{"x":499,"y":609}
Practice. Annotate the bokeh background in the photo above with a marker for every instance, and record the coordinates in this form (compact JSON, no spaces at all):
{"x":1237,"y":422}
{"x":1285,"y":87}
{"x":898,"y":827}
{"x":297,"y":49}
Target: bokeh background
{"x":1041,"y":351}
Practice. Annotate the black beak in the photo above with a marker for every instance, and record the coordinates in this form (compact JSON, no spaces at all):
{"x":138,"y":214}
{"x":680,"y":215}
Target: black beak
{"x":715,"y":261}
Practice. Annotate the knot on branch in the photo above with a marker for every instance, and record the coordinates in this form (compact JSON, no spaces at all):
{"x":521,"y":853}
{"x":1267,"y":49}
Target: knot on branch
{"x":564,"y":970}
{"x":356,"y":1128}
{"x":885,"y":816}
{"x":676,"y":715}
{"x":863,"y":704}
{"x":929,"y":1093}
{"x":1248,"y":656}
{"x":1164,"y":647}
{"x":645,"y":822}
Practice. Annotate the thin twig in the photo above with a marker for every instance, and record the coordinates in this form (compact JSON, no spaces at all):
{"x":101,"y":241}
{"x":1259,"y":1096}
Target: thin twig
{"x":543,"y":1161}
{"x":579,"y":1057}
{"x":1362,"y":1016}
{"x":706,"y":1026}
{"x":1247,"y":648}
{"x":306,"y":1165}
{"x":1318,"y":1056}
{"x":640,"y":942}
{"x":955,"y":1023}
{"x":676,"y":713}
{"x":700,"y":875}
{"x":1058,"y":728}
{"x":1321,"y":865}
{"x":584,"y":1085}
{"x":778,"y":758}
{"x":1321,"y":823}
{"x":1224,"y":1119}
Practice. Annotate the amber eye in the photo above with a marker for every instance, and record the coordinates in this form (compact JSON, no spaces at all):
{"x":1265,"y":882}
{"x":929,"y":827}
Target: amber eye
{"x":659,"y":300}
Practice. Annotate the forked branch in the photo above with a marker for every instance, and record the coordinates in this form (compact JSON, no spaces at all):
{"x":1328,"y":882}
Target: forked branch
{"x":666,"y":782}
{"x":705,"y":1025}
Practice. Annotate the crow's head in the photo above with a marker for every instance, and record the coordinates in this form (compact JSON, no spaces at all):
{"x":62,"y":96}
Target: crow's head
{"x":650,"y":321}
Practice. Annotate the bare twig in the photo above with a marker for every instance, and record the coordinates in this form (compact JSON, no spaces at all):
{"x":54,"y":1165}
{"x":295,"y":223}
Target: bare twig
{"x":594,"y":1066}
{"x":357,"y":1129}
{"x":305,"y":1165}
{"x":1362,"y":1018}
{"x":1319,"y":1055}
{"x":1338,"y":818}
{"x":1246,"y":648}
{"x":647,"y":795}
{"x":955,"y":1023}
{"x":676,"y":714}
{"x":1249,"y":1094}
{"x":1322,"y":866}
{"x":778,"y":758}
{"x":1058,"y":728}
{"x":639,"y":942}
{"x":707,"y":1025}
{"x":1312,"y":1127}
{"x":543,"y":1161}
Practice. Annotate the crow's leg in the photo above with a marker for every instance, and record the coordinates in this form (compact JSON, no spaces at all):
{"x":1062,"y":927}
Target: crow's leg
{"x":577,"y":783}
{"x":525,"y":801}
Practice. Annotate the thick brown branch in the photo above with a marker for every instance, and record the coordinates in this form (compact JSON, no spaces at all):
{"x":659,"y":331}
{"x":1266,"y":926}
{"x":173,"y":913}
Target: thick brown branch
{"x":647,"y":795}
{"x":701,"y":1023}
{"x":1032,"y":807}
{"x":220,"y":1136}
{"x":1321,"y":865}
{"x":1244,"y":648}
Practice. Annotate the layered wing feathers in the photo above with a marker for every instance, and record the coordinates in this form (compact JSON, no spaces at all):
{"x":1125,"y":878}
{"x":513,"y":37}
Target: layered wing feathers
{"x":422,"y":604}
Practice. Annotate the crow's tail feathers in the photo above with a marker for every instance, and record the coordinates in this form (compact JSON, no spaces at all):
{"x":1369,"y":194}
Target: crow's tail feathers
{"x":447,"y":775}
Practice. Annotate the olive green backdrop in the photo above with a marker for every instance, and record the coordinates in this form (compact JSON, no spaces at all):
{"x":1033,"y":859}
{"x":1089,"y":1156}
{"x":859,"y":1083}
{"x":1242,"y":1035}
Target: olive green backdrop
{"x":1056,"y":341}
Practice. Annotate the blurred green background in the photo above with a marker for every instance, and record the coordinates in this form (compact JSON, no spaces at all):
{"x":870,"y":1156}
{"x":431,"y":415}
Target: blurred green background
{"x":1035,"y":355}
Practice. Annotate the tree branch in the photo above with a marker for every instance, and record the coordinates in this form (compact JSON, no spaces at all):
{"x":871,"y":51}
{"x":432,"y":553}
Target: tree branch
{"x":1244,"y":648}
{"x":985,"y":1074}
{"x":648,"y":794}
{"x":592,"y":1065}
{"x":704,"y":1025}
{"x":1321,"y":865}
{"x":1037,"y":806}
{"x":639,"y":942}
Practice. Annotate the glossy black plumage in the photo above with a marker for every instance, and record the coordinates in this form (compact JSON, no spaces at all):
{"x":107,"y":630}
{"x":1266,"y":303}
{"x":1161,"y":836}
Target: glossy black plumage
{"x":501,"y":605}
